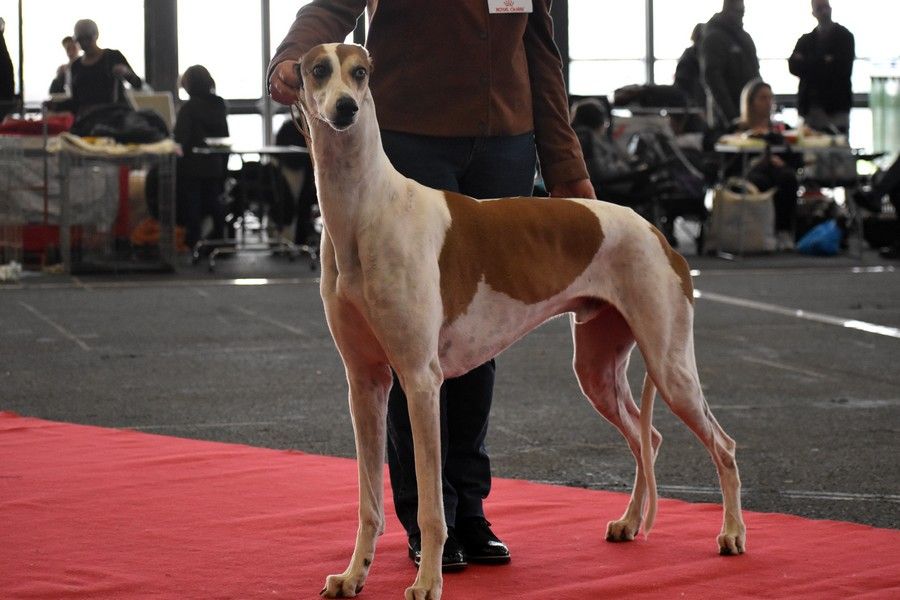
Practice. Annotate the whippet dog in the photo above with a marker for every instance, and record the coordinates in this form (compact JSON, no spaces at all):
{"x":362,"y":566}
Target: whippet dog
{"x":433,"y":283}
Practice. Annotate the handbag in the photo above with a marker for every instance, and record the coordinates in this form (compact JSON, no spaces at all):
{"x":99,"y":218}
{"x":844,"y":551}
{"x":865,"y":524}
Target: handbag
{"x":742,"y":219}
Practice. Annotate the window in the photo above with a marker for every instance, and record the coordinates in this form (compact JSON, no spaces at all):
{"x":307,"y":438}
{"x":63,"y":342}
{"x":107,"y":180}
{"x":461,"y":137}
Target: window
{"x":227,"y":40}
{"x":46,"y":22}
{"x":673,"y":23}
{"x":281,"y":17}
{"x":606,"y":45}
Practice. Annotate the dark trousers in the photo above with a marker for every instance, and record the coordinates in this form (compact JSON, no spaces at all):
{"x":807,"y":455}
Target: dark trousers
{"x":493,"y":167}
{"x":766,"y":176}
{"x":197,"y":198}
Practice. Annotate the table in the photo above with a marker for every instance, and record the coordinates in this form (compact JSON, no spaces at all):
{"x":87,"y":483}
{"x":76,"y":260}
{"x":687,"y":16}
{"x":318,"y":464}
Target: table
{"x":834,"y":151}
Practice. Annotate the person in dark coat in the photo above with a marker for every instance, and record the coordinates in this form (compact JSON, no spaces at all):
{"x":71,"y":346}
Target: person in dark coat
{"x":727,"y":62}
{"x":7,"y":77}
{"x":201,"y":178}
{"x":823,"y":60}
{"x":615,"y":175}
{"x":687,"y":72}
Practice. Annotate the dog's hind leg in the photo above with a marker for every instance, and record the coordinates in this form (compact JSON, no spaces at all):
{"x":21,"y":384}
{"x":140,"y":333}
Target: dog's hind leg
{"x":668,"y":349}
{"x":602,"y":349}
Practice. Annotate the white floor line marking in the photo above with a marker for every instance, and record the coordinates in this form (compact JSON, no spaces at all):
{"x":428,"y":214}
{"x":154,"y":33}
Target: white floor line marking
{"x":893,"y":498}
{"x":784,"y":367}
{"x":62,"y":330}
{"x":271,"y":321}
{"x":103,"y":285}
{"x":200,"y":292}
{"x":893,"y":332}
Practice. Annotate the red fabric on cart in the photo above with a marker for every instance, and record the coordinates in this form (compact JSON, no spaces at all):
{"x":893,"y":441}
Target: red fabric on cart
{"x":56,"y":124}
{"x":102,"y":513}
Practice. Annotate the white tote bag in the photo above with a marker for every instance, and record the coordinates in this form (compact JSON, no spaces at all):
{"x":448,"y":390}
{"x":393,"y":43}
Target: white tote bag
{"x":742,"y":219}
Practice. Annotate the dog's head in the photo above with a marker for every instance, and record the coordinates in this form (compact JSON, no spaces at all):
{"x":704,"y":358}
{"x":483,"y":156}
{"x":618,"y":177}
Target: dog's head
{"x":334,"y":82}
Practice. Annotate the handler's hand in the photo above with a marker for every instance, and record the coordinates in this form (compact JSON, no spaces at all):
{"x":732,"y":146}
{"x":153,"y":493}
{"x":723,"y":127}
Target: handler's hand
{"x":284,"y":84}
{"x":580,"y":188}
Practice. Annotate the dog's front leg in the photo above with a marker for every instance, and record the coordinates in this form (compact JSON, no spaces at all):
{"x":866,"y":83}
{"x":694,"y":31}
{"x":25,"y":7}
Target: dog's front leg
{"x":422,"y":389}
{"x":368,"y":409}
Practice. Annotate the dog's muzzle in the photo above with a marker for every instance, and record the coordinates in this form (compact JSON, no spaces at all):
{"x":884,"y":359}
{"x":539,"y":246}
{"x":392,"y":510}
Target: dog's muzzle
{"x":345,"y":110}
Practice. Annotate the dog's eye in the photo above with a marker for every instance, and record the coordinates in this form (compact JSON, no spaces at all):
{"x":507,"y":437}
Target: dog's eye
{"x":360,"y":73}
{"x":319,"y":71}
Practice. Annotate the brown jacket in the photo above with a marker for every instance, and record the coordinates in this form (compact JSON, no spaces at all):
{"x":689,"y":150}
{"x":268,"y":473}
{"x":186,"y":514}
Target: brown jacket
{"x":452,"y":69}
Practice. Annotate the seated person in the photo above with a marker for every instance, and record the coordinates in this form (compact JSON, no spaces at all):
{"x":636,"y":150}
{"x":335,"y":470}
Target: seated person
{"x":770,"y":170}
{"x":615,"y":175}
{"x":201,"y":178}
{"x":298,"y":172}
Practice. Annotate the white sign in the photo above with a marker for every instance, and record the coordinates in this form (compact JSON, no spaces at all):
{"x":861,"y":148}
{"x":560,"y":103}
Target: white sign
{"x":509,"y":7}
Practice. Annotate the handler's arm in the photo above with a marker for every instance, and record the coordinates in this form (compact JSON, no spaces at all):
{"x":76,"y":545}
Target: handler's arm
{"x":559,"y":152}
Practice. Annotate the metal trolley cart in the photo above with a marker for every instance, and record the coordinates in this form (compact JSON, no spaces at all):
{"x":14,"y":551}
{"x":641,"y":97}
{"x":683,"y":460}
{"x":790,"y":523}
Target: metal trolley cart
{"x":29,"y":194}
{"x":98,"y":216}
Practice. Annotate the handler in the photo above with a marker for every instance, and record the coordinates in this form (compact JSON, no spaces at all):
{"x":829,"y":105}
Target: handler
{"x":467,"y":91}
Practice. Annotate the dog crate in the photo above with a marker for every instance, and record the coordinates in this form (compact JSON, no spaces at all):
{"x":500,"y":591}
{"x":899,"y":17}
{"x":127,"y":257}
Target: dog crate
{"x":104,"y":223}
{"x":29,"y":197}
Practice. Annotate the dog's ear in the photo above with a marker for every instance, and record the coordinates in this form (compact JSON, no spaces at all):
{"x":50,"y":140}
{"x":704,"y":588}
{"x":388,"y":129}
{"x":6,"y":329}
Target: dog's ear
{"x":298,"y":71}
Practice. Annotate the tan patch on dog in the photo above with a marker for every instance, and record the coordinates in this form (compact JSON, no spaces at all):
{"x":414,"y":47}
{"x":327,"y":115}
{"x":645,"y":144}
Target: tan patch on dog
{"x":303,"y":68}
{"x":527,"y":248}
{"x":350,"y":57}
{"x":678,"y":263}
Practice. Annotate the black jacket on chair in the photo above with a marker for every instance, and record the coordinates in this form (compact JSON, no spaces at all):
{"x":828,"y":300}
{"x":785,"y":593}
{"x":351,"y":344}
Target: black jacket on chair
{"x":824,"y":65}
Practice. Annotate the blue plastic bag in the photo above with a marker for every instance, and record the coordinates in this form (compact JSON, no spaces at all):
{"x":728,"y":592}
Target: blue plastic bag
{"x":822,"y":240}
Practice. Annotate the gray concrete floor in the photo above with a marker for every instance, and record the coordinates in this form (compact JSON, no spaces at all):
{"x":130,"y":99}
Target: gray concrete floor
{"x":814,"y":405}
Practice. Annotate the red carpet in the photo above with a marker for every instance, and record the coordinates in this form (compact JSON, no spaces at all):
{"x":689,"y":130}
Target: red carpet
{"x":101,"y":513}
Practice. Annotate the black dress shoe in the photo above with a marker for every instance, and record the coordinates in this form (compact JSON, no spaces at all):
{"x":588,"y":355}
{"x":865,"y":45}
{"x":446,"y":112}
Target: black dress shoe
{"x":452,"y":559}
{"x":480,"y":543}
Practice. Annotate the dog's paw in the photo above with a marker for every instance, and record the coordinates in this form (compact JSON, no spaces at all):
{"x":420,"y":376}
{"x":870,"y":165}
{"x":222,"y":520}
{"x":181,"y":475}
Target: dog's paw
{"x":621,"y":530}
{"x":731,"y":544}
{"x":342,"y":586}
{"x":420,"y":592}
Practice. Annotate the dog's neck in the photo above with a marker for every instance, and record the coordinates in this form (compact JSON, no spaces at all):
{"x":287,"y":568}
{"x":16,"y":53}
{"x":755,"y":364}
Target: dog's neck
{"x":353,"y":174}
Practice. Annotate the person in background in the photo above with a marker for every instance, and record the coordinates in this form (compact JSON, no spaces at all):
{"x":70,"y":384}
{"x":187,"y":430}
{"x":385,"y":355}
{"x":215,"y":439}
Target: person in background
{"x":297,"y":170}
{"x":727,"y":62}
{"x":62,"y":83}
{"x":687,"y":71}
{"x":7,"y":76}
{"x":616,"y":177}
{"x":97,"y":75}
{"x":823,"y":60}
{"x":200,"y":178}
{"x":770,"y":170}
{"x":465,"y":94}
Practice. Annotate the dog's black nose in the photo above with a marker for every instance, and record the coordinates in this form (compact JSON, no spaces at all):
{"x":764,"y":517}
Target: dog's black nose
{"x":346,"y":107}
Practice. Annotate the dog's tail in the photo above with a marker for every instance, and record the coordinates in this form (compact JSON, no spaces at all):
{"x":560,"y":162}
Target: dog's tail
{"x":647,"y":457}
